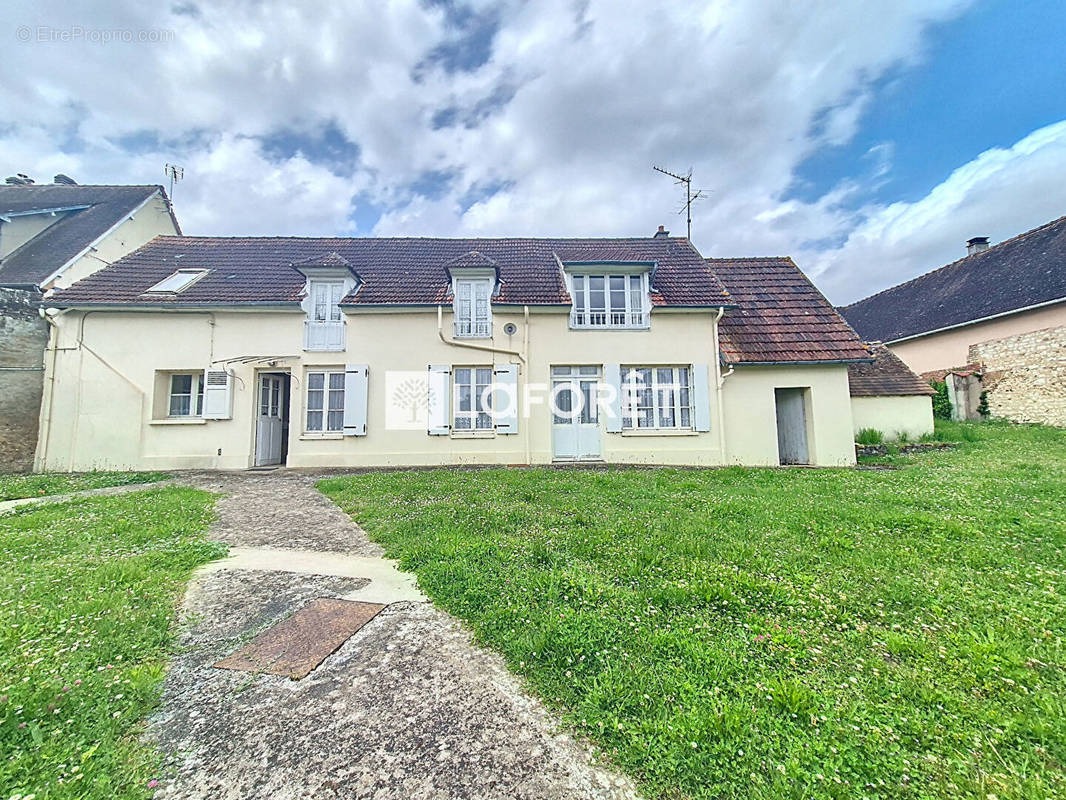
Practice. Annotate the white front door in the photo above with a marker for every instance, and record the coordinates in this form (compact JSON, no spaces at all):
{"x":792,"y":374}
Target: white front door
{"x":575,"y":414}
{"x":268,"y":425}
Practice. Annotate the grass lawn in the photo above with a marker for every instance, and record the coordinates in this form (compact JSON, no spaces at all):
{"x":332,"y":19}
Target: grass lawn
{"x":87,"y":598}
{"x":15,"y":486}
{"x":747,"y":633}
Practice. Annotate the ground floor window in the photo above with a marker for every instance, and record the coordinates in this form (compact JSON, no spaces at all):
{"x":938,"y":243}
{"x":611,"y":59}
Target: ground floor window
{"x":472,"y":388}
{"x":325,"y":401}
{"x":186,"y":394}
{"x":656,"y":397}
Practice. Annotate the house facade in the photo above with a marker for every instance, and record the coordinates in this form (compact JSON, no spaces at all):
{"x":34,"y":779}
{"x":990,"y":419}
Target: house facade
{"x":994,"y":321}
{"x":232,"y":353}
{"x":52,"y":235}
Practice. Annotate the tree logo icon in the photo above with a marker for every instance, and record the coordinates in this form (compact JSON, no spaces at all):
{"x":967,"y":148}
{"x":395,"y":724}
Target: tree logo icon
{"x":409,"y":398}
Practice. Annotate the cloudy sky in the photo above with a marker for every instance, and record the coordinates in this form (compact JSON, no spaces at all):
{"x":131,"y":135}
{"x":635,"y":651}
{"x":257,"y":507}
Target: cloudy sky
{"x":868,"y":140}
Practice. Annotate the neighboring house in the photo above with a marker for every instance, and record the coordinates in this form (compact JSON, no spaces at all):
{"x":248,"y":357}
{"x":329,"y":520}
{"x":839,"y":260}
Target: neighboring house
{"x":999,"y":312}
{"x":888,"y":397}
{"x":51,"y":236}
{"x":336,"y":352}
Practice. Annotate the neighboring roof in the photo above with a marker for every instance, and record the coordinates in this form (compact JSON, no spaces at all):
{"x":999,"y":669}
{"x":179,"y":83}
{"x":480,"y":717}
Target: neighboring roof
{"x":782,"y":317}
{"x":886,"y":376}
{"x":1025,"y":271}
{"x":51,"y":249}
{"x":392,"y":271}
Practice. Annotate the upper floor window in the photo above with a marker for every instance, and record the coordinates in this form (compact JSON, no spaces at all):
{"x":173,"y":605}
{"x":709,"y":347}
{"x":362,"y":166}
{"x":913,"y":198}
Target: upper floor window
{"x":177,"y":281}
{"x":610,"y":301}
{"x":325,"y":324}
{"x":473,"y":309}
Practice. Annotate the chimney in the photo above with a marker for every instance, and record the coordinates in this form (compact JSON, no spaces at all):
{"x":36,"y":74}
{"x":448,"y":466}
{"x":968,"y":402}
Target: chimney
{"x":976,"y":245}
{"x":662,"y":233}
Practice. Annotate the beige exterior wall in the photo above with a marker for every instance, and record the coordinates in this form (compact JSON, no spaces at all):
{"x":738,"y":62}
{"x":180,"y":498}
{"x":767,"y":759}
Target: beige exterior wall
{"x":20,"y":230}
{"x":151,"y":220}
{"x":103,"y":405}
{"x":951,"y":348}
{"x":892,"y":416}
{"x":749,"y":409}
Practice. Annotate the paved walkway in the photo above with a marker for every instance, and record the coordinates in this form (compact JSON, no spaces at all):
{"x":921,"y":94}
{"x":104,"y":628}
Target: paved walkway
{"x":407,"y":708}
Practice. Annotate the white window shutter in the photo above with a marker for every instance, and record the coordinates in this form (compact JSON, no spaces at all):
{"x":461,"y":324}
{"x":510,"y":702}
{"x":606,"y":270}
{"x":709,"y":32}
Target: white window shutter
{"x":612,"y":376}
{"x":218,"y":394}
{"x":701,"y":397}
{"x":438,"y":400}
{"x":355,"y":390}
{"x":506,"y":393}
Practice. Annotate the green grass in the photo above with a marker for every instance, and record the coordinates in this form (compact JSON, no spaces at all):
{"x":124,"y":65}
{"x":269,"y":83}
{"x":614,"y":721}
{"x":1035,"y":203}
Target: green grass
{"x":869,"y":436}
{"x":87,"y":598}
{"x":16,"y":486}
{"x":757,"y":633}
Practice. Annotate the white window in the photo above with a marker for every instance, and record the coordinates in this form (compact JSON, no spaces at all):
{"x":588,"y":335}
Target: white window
{"x":186,"y":394}
{"x":473,"y":309}
{"x":656,"y":397}
{"x":325,"y":401}
{"x":472,"y":390}
{"x":325,"y":300}
{"x":609,"y":301}
{"x":182,"y":279}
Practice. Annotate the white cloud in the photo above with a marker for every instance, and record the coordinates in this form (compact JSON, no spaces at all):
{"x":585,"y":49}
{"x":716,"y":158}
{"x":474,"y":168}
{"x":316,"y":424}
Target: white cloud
{"x":575,"y":103}
{"x":1002,"y":192}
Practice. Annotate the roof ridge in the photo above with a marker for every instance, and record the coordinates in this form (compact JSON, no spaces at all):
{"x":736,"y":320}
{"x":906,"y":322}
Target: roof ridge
{"x":633,"y":239}
{"x":958,"y":261}
{"x":720,"y":259}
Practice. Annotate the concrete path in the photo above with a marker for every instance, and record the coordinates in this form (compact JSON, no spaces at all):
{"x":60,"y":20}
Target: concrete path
{"x":407,"y":708}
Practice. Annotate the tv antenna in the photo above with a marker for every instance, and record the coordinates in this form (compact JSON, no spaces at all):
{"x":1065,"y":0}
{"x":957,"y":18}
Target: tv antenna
{"x":690,"y":198}
{"x":175,"y":173}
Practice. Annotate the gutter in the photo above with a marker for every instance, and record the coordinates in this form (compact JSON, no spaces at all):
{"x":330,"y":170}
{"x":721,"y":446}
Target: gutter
{"x":719,"y":382}
{"x":473,"y":346}
{"x":829,"y":362}
{"x":1033,"y":307}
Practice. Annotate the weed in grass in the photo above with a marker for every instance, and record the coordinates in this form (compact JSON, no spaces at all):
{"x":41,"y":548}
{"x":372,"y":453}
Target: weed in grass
{"x":745,"y":633}
{"x":868,"y":436}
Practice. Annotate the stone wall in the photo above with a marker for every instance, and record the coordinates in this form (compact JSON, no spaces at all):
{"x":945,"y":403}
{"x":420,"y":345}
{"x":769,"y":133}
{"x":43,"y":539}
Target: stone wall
{"x":1025,"y":375}
{"x":23,"y":337}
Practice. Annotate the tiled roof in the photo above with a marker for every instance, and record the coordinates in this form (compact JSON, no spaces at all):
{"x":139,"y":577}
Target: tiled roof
{"x":42,"y":255}
{"x":1027,"y":270}
{"x":887,"y":375}
{"x":782,"y":317}
{"x":392,"y":270}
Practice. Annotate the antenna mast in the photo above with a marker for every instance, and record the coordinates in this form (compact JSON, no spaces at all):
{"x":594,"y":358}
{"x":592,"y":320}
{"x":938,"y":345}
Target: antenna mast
{"x":175,"y":173}
{"x":690,"y":198}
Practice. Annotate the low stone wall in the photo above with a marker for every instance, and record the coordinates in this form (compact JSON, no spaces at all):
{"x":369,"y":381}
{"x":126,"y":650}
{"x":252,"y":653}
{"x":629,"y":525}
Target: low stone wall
{"x":23,"y":337}
{"x":1025,"y":375}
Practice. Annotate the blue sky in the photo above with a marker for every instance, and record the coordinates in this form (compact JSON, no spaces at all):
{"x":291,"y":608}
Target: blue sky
{"x":990,"y":76}
{"x":867,"y":140}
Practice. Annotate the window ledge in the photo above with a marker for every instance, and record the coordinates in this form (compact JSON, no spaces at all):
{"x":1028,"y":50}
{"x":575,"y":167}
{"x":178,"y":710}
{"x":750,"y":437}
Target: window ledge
{"x":660,"y":432}
{"x":325,"y":349}
{"x":178,"y":421}
{"x":473,"y":434}
{"x":610,"y":327}
{"x":317,"y":437}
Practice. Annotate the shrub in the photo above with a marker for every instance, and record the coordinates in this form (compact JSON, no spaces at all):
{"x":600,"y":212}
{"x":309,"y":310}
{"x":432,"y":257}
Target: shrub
{"x":870,"y":436}
{"x":982,"y":405}
{"x":941,"y":404}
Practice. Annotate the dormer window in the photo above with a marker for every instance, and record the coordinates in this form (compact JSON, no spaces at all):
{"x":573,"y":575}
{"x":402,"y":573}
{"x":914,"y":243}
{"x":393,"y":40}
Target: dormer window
{"x":473,"y":308}
{"x":330,"y":278}
{"x":603,"y":300}
{"x":178,"y":281}
{"x":326,"y":297}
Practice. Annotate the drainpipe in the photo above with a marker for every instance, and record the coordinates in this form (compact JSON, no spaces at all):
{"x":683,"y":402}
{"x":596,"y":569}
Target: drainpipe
{"x":525,"y":349}
{"x":44,"y":423}
{"x":720,"y":382}
{"x":487,"y":347}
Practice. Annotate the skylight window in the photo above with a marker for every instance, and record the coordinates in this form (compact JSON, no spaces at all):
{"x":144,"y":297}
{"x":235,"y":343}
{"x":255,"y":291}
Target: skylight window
{"x":179,"y":281}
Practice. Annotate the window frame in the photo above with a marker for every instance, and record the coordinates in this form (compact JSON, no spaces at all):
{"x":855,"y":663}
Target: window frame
{"x":331,"y":310}
{"x":328,"y":390}
{"x":178,"y":281}
{"x":195,"y":394}
{"x":634,"y":291}
{"x":474,"y":322}
{"x":478,"y":392}
{"x":679,"y":410}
